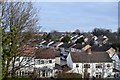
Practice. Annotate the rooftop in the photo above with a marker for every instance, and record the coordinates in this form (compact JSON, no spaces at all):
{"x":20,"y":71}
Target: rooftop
{"x":66,"y":45}
{"x":45,"y":53}
{"x":102,"y":48}
{"x":79,"y":46}
{"x":94,"y":57}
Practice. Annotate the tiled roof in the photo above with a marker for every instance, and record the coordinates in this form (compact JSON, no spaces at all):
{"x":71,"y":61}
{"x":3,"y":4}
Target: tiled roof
{"x":26,"y":50}
{"x":45,"y":53}
{"x":94,"y":57}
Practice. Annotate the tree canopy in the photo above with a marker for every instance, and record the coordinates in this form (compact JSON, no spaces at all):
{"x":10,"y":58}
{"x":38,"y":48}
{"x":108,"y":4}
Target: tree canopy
{"x":80,"y":40}
{"x":100,"y":31}
{"x":66,"y":39}
{"x":18,"y":20}
{"x":77,"y":31}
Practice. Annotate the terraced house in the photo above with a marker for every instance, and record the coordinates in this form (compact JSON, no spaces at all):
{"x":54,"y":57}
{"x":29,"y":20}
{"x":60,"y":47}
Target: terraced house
{"x":40,"y":61}
{"x":93,"y":64}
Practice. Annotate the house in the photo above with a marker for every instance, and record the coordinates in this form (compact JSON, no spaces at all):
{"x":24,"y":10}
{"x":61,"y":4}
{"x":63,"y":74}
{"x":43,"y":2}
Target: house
{"x":56,"y":45}
{"x":111,"y":52}
{"x":102,"y":39}
{"x":57,"y":58}
{"x":95,"y":39}
{"x":24,"y":60}
{"x":97,"y":64}
{"x":40,"y":44}
{"x":46,"y":44}
{"x":75,"y":38}
{"x":45,"y":62}
{"x":116,"y":61}
{"x":40,"y":61}
{"x":64,"y":49}
{"x":79,"y":47}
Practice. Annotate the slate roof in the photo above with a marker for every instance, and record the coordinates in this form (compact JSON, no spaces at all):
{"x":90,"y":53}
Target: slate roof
{"x":94,"y":57}
{"x":66,"y":45}
{"x":46,"y":43}
{"x":52,"y":44}
{"x":45,"y":53}
{"x":55,"y":44}
{"x":75,"y":38}
{"x":102,"y":48}
{"x":79,"y":46}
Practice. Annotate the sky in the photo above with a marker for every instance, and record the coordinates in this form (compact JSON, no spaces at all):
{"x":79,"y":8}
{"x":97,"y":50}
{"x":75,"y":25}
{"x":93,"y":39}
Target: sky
{"x":69,"y":16}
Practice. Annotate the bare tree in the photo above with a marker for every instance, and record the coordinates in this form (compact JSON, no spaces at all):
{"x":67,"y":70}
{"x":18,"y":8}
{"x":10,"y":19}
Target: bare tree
{"x":17,"y":19}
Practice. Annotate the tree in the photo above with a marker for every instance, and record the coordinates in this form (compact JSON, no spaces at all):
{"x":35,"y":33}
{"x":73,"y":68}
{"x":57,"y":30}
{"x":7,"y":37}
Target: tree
{"x":17,"y":19}
{"x":77,"y":31}
{"x":47,"y":36}
{"x":66,"y":39}
{"x":55,"y":35}
{"x":100,"y":31}
{"x":80,"y":40}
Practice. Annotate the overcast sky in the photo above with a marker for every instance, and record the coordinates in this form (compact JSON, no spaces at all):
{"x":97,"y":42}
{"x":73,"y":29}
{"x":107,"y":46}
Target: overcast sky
{"x":69,"y":16}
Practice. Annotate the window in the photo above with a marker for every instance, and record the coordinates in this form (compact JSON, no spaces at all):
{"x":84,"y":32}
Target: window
{"x":86,"y":65}
{"x":50,"y":61}
{"x":42,"y":61}
{"x":24,"y":58}
{"x":77,"y":65}
{"x":43,"y":73}
{"x":98,"y":65}
{"x":38,"y":61}
{"x":108,"y":65}
{"x":28,"y":59}
{"x":98,"y":76}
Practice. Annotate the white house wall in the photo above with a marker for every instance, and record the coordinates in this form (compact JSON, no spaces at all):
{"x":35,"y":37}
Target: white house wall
{"x":69,"y":61}
{"x":92,"y":70}
{"x":49,"y":65}
{"x":57,"y":60}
